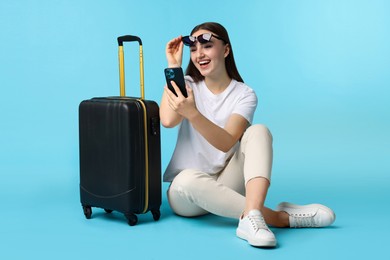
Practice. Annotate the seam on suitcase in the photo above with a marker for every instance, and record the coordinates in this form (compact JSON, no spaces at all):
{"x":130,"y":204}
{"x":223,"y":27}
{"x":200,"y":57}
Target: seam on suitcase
{"x":106,"y":197}
{"x":146,"y":157}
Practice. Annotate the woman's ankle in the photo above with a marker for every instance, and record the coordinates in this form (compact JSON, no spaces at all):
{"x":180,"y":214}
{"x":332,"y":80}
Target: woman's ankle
{"x":284,"y":219}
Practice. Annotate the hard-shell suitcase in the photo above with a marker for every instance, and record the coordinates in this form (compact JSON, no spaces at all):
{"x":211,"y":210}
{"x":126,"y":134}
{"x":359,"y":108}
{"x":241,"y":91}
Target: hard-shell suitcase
{"x":120,"y":151}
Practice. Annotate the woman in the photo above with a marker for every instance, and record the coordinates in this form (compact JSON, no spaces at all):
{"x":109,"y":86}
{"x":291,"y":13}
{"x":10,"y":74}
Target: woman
{"x":222,"y":164}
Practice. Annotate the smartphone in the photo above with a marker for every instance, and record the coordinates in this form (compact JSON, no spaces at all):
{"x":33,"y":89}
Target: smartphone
{"x":176,"y":75}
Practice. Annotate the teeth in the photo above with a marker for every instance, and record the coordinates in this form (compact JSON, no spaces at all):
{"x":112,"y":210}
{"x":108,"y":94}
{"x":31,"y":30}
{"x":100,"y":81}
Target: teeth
{"x":203,"y":62}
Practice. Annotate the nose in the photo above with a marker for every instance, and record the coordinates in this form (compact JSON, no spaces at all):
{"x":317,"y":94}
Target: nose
{"x":199,"y":51}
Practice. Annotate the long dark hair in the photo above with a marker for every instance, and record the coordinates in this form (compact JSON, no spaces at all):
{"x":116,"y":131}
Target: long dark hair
{"x":230,"y":64}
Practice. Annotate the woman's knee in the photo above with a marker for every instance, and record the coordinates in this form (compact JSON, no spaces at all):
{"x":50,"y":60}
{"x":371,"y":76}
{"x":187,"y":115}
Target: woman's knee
{"x":186,"y":180}
{"x":258,"y":130}
{"x":182,"y":194}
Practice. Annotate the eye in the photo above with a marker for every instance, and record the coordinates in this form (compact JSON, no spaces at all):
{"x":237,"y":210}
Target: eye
{"x":192,"y":49}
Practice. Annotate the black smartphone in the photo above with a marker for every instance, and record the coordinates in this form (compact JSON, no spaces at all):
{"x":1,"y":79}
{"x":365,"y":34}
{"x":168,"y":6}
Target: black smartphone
{"x":176,"y":75}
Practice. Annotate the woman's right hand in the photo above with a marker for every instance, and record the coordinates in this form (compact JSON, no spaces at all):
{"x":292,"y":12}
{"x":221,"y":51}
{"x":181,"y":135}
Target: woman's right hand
{"x":174,"y":52}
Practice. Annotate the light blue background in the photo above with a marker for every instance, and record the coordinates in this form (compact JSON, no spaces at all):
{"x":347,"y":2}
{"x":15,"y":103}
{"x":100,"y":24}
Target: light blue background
{"x":321,"y":72}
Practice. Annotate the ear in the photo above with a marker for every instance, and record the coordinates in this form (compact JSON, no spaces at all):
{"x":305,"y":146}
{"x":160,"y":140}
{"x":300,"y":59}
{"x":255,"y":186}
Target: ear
{"x":227,"y":50}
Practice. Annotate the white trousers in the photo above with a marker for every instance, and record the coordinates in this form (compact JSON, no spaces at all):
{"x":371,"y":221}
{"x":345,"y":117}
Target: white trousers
{"x":194,"y":193}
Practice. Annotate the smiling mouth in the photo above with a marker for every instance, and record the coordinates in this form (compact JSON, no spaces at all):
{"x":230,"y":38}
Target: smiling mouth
{"x":203,"y":63}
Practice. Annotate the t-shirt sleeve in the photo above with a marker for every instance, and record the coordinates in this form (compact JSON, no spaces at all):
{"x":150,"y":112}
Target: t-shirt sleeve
{"x":246,"y":105}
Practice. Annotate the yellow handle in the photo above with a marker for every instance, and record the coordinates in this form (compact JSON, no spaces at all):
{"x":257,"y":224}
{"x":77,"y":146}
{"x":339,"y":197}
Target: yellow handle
{"x":122,"y":71}
{"x":141,"y":72}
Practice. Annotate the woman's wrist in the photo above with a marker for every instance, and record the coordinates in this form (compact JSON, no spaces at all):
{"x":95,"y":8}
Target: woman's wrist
{"x":173,"y":65}
{"x":193,"y":116}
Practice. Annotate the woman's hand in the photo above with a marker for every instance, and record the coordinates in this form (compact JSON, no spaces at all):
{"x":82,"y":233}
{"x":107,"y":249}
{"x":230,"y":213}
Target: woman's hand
{"x":174,"y":52}
{"x":183,"y":106}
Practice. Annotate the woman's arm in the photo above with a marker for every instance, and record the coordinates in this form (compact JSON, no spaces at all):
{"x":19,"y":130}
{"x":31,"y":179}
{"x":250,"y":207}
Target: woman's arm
{"x":221,"y":138}
{"x":174,"y":53}
{"x":168,"y":117}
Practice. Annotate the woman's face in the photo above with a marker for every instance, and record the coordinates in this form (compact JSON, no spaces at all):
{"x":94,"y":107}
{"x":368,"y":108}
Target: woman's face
{"x":209,"y":58}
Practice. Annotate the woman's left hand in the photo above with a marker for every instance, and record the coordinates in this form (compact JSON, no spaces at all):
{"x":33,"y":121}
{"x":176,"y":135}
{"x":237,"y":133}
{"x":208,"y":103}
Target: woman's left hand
{"x":183,"y":106}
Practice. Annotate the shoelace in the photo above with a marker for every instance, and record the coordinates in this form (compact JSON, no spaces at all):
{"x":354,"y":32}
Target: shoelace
{"x":258,"y":222}
{"x":305,"y":220}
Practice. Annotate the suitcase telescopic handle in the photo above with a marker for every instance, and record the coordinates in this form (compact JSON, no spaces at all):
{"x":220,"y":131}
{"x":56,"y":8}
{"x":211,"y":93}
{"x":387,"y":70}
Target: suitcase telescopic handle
{"x":128,"y":38}
{"x":121,"y":40}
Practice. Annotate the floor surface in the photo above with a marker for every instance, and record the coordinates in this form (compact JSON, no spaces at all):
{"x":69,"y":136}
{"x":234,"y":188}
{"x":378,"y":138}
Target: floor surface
{"x":44,"y":219}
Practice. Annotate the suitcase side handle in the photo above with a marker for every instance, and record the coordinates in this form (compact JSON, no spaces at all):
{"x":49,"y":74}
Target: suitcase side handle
{"x":121,"y":40}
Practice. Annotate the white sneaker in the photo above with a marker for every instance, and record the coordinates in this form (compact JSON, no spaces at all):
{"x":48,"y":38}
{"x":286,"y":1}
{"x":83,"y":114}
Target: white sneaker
{"x":312,"y":215}
{"x":254,"y":229}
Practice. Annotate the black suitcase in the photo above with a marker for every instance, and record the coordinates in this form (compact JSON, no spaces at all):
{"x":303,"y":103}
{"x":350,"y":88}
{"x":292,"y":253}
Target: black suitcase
{"x":120,"y":151}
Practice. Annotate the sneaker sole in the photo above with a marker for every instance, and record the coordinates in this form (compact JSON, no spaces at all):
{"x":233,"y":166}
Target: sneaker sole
{"x":294,"y":206}
{"x":256,"y":243}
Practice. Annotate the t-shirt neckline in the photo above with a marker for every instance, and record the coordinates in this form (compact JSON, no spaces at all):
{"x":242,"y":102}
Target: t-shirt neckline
{"x":226,"y":90}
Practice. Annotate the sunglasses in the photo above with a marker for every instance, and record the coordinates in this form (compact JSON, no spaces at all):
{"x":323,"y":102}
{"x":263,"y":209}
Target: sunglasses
{"x":203,"y":38}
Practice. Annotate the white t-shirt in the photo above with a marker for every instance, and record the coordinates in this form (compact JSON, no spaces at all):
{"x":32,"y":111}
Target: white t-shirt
{"x":192,"y":150}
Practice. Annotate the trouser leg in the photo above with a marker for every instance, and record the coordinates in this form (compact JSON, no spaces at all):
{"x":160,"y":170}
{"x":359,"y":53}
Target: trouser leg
{"x":194,"y":193}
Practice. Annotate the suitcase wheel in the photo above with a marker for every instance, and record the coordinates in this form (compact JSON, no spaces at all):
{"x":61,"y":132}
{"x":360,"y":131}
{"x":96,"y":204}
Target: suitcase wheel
{"x":87,"y":211}
{"x":156,"y":214}
{"x":132,"y":219}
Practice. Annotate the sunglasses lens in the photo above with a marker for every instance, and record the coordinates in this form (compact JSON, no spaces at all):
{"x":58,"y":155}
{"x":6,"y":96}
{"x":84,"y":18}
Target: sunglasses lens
{"x":203,"y":38}
{"x":188,"y":40}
